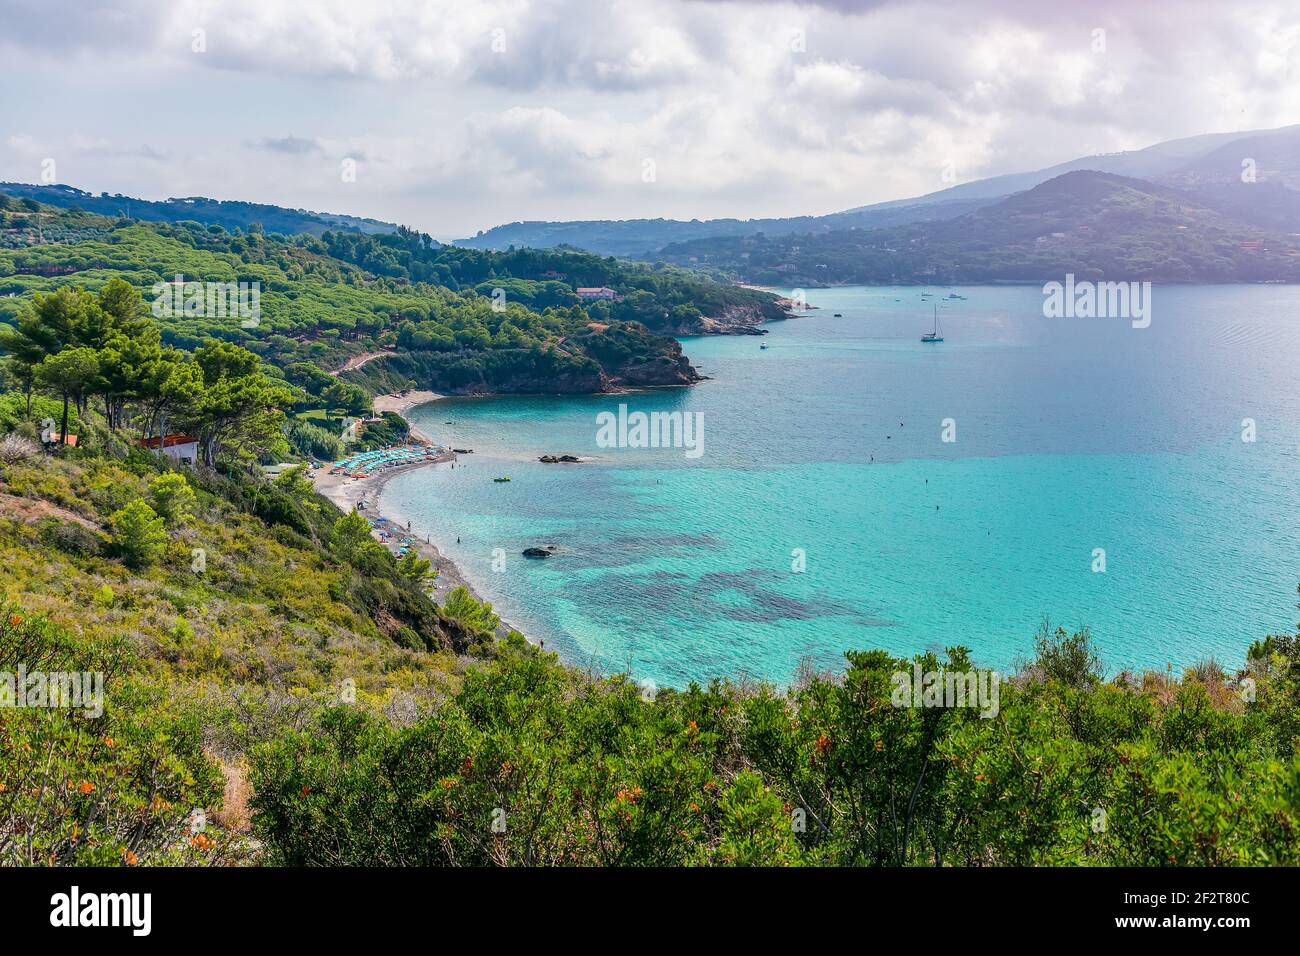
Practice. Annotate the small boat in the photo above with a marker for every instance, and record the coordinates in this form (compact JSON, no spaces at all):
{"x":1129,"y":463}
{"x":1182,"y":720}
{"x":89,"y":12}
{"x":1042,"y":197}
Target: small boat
{"x":935,"y":335}
{"x":839,"y":315}
{"x":762,"y":346}
{"x":499,"y":480}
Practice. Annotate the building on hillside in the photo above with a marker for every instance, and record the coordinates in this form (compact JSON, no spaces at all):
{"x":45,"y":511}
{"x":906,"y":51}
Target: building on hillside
{"x":596,"y":294}
{"x":182,"y":449}
{"x":353,"y":427}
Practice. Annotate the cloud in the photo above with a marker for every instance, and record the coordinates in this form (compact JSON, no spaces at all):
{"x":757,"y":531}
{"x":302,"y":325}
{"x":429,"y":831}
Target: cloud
{"x":464,"y":115}
{"x":289,"y":145}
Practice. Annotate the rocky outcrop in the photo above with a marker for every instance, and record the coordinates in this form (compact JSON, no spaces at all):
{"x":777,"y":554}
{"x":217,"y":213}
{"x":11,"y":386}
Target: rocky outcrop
{"x":733,"y":320}
{"x":545,"y":552}
{"x":558,"y":459}
{"x":673,"y":368}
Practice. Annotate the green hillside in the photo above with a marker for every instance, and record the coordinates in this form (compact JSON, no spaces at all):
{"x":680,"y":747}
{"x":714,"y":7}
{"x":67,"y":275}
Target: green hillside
{"x":447,"y":323}
{"x":229,"y":214}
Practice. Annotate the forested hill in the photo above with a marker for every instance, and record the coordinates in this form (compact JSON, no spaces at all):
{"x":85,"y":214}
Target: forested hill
{"x":1095,"y":225}
{"x":664,"y":298}
{"x":230,"y":214}
{"x":438,"y":318}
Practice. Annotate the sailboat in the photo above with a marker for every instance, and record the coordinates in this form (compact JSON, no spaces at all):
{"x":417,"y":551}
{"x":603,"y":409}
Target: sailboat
{"x":937,"y":334}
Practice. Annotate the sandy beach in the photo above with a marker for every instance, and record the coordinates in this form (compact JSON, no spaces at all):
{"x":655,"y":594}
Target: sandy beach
{"x":403,"y":403}
{"x":363,"y":494}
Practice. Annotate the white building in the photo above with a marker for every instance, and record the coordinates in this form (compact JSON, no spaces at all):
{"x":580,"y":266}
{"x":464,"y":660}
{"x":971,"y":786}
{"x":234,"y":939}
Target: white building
{"x":179,"y":448}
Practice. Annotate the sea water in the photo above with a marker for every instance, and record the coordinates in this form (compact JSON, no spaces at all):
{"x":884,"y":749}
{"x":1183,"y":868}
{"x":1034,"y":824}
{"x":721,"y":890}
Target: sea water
{"x":860,"y":489}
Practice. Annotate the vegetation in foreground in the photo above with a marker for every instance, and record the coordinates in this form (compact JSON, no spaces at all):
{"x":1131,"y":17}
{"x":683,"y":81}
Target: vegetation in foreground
{"x":306,"y":704}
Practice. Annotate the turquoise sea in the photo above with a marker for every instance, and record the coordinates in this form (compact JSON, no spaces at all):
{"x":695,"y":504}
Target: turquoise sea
{"x":1071,"y":435}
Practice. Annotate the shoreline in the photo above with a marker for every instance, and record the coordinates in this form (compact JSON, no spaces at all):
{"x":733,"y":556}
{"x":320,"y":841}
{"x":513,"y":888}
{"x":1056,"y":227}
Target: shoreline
{"x":364,"y":494}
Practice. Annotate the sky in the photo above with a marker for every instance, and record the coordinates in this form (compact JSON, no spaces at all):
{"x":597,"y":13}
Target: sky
{"x":452,"y":117}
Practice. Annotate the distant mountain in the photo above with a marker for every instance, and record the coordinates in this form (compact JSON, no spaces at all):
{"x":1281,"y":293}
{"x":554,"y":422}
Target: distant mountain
{"x":1213,"y":158}
{"x":228,"y":214}
{"x":1271,"y":157}
{"x":638,"y":237}
{"x":1093,"y":224}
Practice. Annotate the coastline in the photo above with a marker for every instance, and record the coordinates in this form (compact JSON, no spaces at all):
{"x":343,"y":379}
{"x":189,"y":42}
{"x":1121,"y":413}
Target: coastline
{"x":401,"y":404}
{"x":349,"y":493}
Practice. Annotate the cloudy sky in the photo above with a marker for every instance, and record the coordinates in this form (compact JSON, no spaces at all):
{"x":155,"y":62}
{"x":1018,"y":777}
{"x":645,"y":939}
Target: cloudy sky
{"x":461,"y":115}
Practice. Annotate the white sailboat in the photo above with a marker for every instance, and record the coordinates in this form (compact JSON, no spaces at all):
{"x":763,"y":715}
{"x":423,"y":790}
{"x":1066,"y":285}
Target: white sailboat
{"x":935,"y":335}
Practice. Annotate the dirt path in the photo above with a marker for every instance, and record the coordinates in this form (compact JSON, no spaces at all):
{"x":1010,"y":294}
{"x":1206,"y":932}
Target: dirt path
{"x":30,"y":511}
{"x":359,"y":360}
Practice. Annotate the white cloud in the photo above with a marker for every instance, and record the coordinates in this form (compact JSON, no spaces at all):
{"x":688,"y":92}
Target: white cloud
{"x":465,"y":115}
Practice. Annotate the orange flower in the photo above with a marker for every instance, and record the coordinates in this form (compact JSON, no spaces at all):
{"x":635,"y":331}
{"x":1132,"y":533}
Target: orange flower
{"x":15,"y":620}
{"x":108,"y":741}
{"x":694,"y":807}
{"x":86,"y":786}
{"x":979,"y":776}
{"x":692,"y":727}
{"x":823,"y":744}
{"x":3,"y":788}
{"x":130,"y":858}
{"x":468,"y":765}
{"x":306,"y":790}
{"x":200,"y":841}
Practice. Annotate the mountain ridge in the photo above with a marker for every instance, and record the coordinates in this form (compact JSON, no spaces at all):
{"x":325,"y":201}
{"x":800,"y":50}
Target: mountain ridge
{"x":1160,"y":161}
{"x":228,"y":213}
{"x":1090,"y":223}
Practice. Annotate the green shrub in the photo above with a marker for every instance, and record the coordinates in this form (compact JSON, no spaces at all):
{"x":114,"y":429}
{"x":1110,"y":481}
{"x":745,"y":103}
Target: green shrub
{"x":172,"y":498}
{"x":70,"y":537}
{"x":116,"y":787}
{"x":139,"y":535}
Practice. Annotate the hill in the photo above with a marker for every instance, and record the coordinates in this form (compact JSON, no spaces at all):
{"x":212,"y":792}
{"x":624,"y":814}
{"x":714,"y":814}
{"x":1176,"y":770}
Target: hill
{"x":1175,"y":162}
{"x":1093,"y":224}
{"x":229,"y":214}
{"x":452,"y":320}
